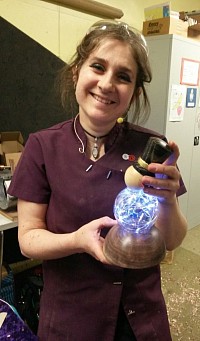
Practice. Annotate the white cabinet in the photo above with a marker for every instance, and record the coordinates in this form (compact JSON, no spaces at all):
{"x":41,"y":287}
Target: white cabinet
{"x":166,"y":53}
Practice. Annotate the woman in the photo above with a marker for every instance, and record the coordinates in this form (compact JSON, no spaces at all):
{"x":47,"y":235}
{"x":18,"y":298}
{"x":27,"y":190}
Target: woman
{"x":66,"y":183}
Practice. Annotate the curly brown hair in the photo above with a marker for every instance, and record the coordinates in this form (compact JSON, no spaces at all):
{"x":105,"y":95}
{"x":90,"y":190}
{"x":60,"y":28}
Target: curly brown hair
{"x":99,"y":32}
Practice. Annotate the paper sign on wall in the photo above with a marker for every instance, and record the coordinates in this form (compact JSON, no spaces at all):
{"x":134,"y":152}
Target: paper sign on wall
{"x":177,"y":103}
{"x":191,"y":97}
{"x":190,"y":72}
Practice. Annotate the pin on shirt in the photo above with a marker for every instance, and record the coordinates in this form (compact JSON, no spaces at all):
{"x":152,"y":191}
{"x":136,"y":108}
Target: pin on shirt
{"x":128,"y":157}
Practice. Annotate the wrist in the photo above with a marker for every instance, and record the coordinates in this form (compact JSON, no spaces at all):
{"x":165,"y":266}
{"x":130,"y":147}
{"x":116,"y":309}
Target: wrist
{"x":76,"y":242}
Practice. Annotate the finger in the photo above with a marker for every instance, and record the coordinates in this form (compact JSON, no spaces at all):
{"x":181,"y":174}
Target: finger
{"x":161,"y":184}
{"x":101,"y":258}
{"x":104,"y":222}
{"x":98,"y":252}
{"x":164,"y":170}
{"x":161,"y":194}
{"x":172,"y":159}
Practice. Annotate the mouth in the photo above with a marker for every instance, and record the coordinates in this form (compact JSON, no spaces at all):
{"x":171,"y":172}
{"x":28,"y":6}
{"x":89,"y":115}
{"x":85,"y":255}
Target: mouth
{"x":102,"y":99}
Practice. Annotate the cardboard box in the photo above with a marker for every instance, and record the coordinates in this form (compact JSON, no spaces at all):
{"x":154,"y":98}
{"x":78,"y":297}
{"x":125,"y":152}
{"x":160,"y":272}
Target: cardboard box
{"x":166,"y":25}
{"x":194,"y":32}
{"x":11,"y":147}
{"x":157,"y":11}
{"x":194,"y":15}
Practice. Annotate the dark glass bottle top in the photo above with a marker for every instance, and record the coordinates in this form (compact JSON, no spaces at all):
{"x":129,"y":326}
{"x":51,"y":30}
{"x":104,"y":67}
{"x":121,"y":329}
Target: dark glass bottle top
{"x":156,"y":150}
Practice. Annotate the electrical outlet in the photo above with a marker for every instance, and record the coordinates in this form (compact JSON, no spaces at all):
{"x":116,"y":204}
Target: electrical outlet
{"x":196,"y":140}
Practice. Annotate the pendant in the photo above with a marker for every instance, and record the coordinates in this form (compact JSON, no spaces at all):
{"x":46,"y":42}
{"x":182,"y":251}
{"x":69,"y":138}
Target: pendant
{"x":95,"y":149}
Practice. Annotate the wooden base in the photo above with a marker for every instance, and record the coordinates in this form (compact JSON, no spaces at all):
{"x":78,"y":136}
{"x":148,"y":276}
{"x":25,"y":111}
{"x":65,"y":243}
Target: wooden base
{"x":129,"y":250}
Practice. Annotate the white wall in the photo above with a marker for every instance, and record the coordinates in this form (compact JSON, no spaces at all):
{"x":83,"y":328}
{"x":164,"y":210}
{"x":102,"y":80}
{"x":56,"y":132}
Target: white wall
{"x":59,"y":29}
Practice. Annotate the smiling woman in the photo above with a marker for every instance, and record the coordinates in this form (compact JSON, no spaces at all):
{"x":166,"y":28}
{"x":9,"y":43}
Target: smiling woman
{"x":105,"y":86}
{"x":65,"y":216}
{"x":108,"y":32}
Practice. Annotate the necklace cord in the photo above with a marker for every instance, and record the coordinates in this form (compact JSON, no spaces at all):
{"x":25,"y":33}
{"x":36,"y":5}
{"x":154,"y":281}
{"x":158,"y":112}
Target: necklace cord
{"x":95,"y":137}
{"x":81,"y":149}
{"x":95,"y":148}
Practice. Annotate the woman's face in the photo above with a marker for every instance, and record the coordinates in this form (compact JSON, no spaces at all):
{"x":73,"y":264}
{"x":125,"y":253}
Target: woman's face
{"x":106,"y":82}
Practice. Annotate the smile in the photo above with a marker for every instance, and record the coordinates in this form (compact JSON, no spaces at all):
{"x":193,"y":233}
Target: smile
{"x":102,"y":100}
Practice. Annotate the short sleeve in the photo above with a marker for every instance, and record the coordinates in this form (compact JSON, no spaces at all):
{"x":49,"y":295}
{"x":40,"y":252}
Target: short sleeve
{"x":29,"y":181}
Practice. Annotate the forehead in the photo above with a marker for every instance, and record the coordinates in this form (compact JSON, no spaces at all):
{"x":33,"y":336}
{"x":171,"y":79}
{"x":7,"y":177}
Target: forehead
{"x":119,"y":52}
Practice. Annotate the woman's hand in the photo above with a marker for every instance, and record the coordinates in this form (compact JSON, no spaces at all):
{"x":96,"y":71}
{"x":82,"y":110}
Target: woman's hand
{"x":170,"y":220}
{"x":39,"y":243}
{"x":166,"y":181}
{"x":89,"y":240}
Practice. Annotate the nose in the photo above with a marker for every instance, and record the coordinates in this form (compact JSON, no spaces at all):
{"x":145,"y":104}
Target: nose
{"x":106,"y":83}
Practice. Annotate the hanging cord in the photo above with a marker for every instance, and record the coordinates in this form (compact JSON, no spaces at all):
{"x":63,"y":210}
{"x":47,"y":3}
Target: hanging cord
{"x":81,"y":149}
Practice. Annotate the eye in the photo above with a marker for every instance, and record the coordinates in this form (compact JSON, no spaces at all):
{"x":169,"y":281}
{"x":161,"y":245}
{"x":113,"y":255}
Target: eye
{"x":124,"y":77}
{"x":97,"y":66}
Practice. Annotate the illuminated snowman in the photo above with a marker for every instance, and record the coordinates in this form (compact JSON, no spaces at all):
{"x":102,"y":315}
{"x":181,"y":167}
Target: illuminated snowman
{"x":134,"y":242}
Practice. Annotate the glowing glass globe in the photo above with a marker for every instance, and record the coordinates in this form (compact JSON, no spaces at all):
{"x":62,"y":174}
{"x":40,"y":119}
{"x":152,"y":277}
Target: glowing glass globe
{"x":135,"y":211}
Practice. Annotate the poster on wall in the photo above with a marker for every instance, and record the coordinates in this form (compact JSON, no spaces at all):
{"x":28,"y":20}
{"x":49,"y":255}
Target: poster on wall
{"x":191,"y":97}
{"x":190,"y":72}
{"x":177,"y":103}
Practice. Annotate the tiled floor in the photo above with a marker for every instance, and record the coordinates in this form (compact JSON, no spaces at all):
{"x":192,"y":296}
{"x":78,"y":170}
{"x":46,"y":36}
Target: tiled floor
{"x":192,"y":241}
{"x":181,"y":288}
